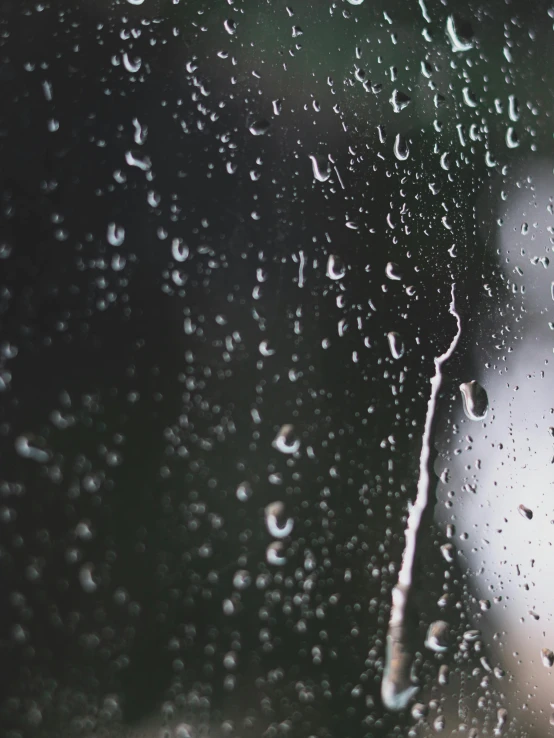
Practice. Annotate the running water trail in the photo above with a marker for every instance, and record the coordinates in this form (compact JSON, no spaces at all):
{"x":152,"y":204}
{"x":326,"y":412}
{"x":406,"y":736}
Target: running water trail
{"x":398,"y":685}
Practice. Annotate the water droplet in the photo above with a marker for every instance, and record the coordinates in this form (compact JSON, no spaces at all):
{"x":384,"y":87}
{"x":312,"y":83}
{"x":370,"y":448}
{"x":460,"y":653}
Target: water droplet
{"x":134,"y":160}
{"x":399,"y":101}
{"x":437,"y":636}
{"x":242,"y":579}
{"x":512,"y":141}
{"x":392,"y":271}
{"x":419,"y":710}
{"x":273,"y":554}
{"x":131,"y":66}
{"x":501,"y":718}
{"x":439,"y":724}
{"x":86,"y":580}
{"x":321,"y":168}
{"x":460,"y":33}
{"x":230,"y":661}
{"x":469,"y":98}
{"x":444,"y":675}
{"x":401,"y":148}
{"x":244,"y":492}
{"x":27,"y":451}
{"x":525,"y":512}
{"x":140,"y":132}
{"x":513,"y":108}
{"x":259,"y":127}
{"x":472,"y":635}
{"x":285,"y":441}
{"x":396,"y":345}
{"x":335,"y":267}
{"x":275,"y":521}
{"x":475,"y":400}
{"x":115,"y":234}
{"x":135,"y":2}
{"x":448,"y":552}
{"x":230,"y":26}
{"x":179,"y":250}
{"x":355,"y":2}
{"x":547,"y":658}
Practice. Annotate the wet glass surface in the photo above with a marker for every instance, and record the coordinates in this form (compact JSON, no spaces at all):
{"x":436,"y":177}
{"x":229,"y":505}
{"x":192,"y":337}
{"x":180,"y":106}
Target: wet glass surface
{"x":276,"y":420}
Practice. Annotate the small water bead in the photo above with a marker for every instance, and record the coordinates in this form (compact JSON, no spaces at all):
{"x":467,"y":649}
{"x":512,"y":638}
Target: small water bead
{"x":242,"y":579}
{"x":547,"y":658}
{"x":115,"y":234}
{"x":265,"y":350}
{"x":86,"y":580}
{"x":437,"y":639}
{"x":444,"y":675}
{"x":419,"y":711}
{"x":525,"y":512}
{"x":475,"y":400}
{"x":274,"y":555}
{"x":184,"y":730}
{"x":244,"y":492}
{"x":448,"y":551}
{"x":275,"y":521}
{"x":396,"y":345}
{"x":472,"y":635}
{"x":285,"y":441}
{"x":335,"y":267}
{"x":321,"y":168}
{"x":439,"y":724}
{"x":230,"y":661}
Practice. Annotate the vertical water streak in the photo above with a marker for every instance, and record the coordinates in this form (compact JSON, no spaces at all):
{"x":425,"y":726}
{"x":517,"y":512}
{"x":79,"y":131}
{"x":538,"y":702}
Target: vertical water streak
{"x":398,"y":686}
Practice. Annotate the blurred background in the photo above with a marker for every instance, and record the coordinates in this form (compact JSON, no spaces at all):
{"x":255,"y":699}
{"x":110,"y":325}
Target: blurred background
{"x":229,"y":234}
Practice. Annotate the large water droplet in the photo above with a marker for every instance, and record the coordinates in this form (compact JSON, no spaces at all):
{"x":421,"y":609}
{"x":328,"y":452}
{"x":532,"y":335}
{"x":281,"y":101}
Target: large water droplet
{"x":396,"y":345}
{"x":335,"y":267}
{"x":513,"y":108}
{"x":525,"y":512}
{"x":512,"y":140}
{"x":244,"y":492}
{"x":460,"y":33}
{"x":27,"y":451}
{"x":230,"y":26}
{"x":274,"y":555}
{"x":259,"y":127}
{"x":401,"y":148}
{"x":321,"y":168}
{"x":115,"y":234}
{"x":392,"y":271}
{"x":476,"y":402}
{"x":277,"y":525}
{"x":285,"y":441}
{"x":399,"y":101}
{"x":437,"y":636}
